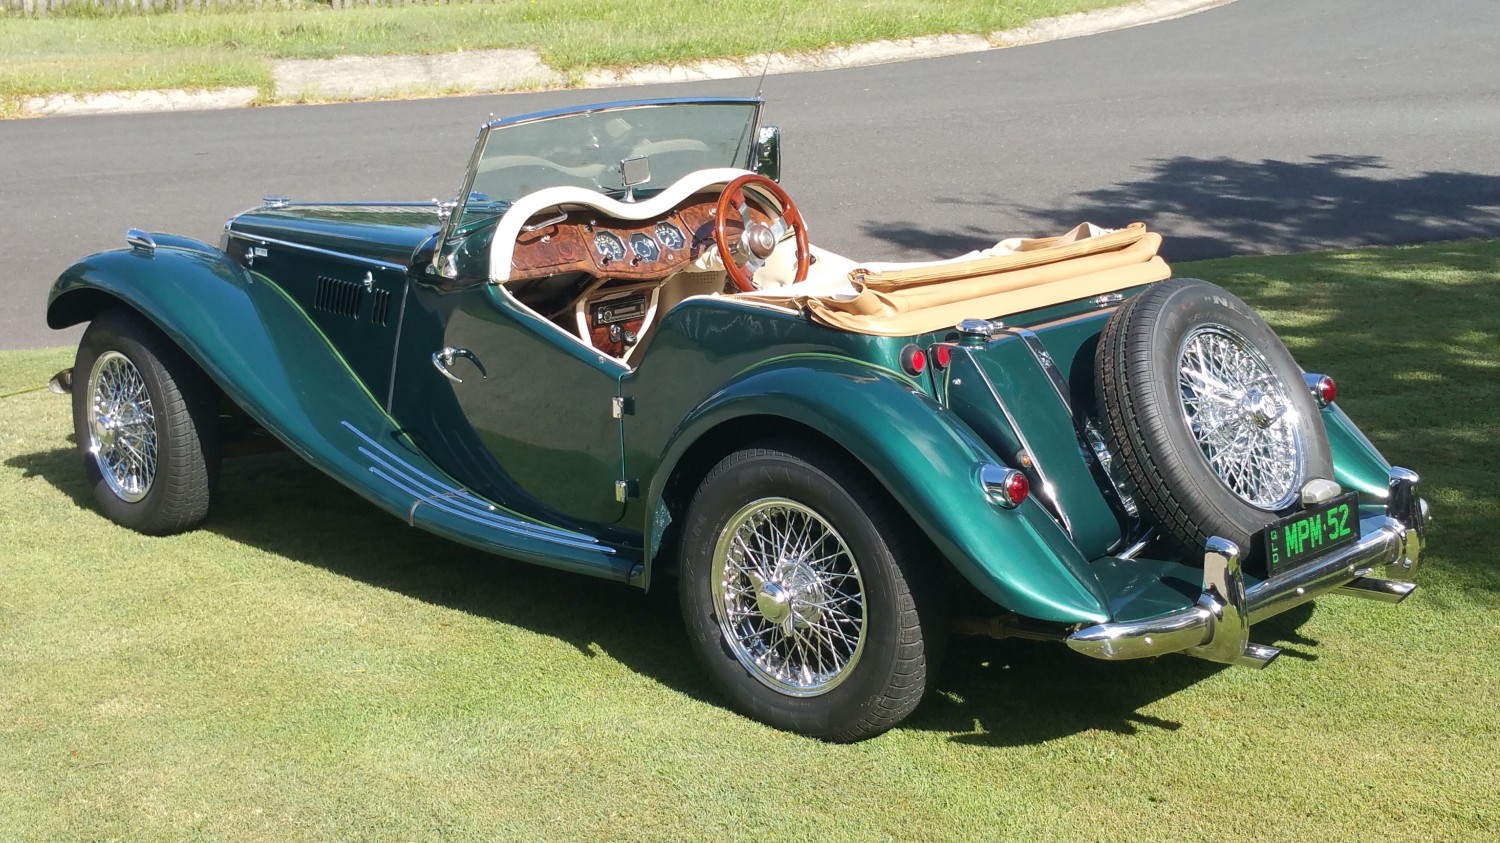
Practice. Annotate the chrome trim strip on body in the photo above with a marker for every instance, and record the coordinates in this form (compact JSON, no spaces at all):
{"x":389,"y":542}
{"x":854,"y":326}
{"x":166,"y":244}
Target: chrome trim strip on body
{"x":272,"y":241}
{"x":1216,"y":628}
{"x":1048,"y":366}
{"x":1045,"y":490}
{"x":614,"y":106}
{"x":431,"y":492}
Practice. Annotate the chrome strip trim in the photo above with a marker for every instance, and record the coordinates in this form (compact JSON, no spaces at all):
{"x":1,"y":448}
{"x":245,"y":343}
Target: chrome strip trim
{"x":428,"y":491}
{"x":438,"y":502}
{"x":1048,"y":366}
{"x":428,"y":487}
{"x":272,"y":241}
{"x":614,"y":106}
{"x":1045,"y":490}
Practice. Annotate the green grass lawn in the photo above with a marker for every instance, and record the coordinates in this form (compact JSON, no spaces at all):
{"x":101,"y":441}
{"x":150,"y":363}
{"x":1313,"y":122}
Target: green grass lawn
{"x":308,"y":668}
{"x":214,"y":49}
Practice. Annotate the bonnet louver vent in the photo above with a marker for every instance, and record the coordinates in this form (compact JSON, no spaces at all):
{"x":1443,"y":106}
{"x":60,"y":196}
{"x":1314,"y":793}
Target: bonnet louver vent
{"x":341,"y":297}
{"x":381,"y":313}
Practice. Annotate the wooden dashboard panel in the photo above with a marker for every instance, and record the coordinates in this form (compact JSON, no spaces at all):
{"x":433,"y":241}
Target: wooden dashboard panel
{"x":567,"y":245}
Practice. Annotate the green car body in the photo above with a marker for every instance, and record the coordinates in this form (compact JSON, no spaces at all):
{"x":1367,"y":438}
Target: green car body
{"x":322,"y":323}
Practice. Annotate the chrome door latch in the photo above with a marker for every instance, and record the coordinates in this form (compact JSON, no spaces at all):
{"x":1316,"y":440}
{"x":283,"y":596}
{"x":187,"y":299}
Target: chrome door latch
{"x":443,"y":359}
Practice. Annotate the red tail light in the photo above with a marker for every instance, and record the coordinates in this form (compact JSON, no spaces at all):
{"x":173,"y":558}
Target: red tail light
{"x":913,"y":360}
{"x":1004,"y":486}
{"x":941,"y":356}
{"x":1323,"y":389}
{"x":1017,"y":487}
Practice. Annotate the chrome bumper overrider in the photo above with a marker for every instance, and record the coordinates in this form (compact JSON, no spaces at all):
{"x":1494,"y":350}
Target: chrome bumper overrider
{"x":1378,"y":567}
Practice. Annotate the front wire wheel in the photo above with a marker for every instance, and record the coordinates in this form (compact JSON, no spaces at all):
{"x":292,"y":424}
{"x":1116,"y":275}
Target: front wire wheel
{"x":805,"y":594}
{"x":146,"y":423}
{"x":122,"y":426}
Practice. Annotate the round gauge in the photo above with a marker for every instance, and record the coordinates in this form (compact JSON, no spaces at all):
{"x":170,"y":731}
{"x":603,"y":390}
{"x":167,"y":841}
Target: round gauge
{"x":644,"y":247}
{"x":670,"y":236}
{"x":610,"y":246}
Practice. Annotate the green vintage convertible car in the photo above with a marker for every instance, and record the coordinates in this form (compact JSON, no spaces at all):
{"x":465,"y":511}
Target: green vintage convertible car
{"x":617,"y":353}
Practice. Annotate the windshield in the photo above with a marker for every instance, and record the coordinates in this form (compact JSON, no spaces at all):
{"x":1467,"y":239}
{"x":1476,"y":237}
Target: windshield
{"x":585,"y":148}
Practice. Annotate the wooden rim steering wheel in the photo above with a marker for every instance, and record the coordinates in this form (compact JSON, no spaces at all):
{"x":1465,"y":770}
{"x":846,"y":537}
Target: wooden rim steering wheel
{"x":757,"y":240}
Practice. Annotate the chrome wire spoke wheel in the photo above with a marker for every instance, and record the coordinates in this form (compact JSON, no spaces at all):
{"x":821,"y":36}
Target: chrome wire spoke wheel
{"x":789,"y":597}
{"x":1241,"y":416}
{"x":122,"y":426}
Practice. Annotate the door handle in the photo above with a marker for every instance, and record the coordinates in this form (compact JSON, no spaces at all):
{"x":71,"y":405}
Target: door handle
{"x":443,"y":359}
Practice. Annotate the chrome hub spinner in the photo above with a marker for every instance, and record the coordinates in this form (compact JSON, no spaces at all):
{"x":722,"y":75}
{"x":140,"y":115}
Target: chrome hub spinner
{"x":122,"y":426}
{"x":789,"y":597}
{"x":1241,"y":415}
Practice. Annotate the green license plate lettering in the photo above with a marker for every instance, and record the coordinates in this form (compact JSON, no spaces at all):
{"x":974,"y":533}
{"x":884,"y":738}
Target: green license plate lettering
{"x":1311,"y":533}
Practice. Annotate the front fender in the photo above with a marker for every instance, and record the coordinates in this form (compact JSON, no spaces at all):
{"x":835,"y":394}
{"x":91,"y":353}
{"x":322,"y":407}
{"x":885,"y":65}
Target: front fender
{"x":269,"y":357}
{"x":244,"y":332}
{"x":927,"y":459}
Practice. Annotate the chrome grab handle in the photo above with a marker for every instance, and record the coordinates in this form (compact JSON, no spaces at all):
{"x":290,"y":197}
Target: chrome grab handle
{"x":443,"y":359}
{"x":538,"y":226}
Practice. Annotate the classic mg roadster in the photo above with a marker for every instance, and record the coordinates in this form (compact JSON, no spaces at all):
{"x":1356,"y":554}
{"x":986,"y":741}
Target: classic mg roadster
{"x":617,"y":353}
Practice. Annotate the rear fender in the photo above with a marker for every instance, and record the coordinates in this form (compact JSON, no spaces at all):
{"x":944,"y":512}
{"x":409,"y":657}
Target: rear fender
{"x":928,"y":461}
{"x":1357,"y":464}
{"x":268,"y":356}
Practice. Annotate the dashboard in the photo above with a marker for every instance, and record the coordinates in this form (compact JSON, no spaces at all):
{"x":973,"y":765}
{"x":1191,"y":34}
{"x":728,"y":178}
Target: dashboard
{"x":623,"y":264}
{"x":635,"y":250}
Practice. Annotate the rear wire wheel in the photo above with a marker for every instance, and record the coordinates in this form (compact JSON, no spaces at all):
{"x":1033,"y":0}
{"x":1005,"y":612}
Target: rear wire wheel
{"x":802,"y":597}
{"x":1208,"y":411}
{"x":145,"y":419}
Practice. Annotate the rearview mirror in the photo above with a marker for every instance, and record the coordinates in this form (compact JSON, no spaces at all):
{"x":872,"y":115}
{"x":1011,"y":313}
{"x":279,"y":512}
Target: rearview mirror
{"x":768,"y":153}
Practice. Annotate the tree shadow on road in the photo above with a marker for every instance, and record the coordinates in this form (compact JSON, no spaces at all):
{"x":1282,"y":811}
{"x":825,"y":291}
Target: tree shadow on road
{"x":1214,"y":207}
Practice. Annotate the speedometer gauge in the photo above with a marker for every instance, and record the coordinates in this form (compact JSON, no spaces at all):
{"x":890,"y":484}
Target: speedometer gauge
{"x":644,"y":247}
{"x":610,"y":246}
{"x":670,"y":236}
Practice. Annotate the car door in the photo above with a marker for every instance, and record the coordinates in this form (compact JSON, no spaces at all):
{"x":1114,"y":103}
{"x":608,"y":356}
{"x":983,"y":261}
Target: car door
{"x":509,"y":405}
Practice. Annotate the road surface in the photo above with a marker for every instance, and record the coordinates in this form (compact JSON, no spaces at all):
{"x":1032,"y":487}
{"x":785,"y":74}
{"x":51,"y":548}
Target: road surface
{"x":1260,"y":126}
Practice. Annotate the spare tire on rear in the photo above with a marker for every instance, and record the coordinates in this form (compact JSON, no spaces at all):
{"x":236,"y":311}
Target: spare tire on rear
{"x":1208,"y":411}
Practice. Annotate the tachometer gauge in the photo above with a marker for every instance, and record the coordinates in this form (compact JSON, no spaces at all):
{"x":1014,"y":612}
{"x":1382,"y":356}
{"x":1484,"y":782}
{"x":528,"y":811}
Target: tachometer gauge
{"x":670,"y":236}
{"x":610,"y":246}
{"x":644,"y":247}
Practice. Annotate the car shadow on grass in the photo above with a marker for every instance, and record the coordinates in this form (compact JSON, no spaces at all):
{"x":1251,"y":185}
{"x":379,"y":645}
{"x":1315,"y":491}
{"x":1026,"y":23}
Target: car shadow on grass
{"x":989,"y":692}
{"x":1017,"y":693}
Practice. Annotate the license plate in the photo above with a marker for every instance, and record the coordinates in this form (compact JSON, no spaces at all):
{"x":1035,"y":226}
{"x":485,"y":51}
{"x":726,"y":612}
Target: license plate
{"x":1311,"y":532}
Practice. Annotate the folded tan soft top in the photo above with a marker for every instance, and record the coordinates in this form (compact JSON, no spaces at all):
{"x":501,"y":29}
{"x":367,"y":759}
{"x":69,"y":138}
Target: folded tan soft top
{"x":1027,"y":274}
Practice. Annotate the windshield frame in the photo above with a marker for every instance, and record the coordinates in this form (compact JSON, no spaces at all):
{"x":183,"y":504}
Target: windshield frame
{"x":459,"y":205}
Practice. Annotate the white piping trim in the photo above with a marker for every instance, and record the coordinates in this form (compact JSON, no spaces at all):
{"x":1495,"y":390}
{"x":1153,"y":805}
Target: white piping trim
{"x":503,"y":246}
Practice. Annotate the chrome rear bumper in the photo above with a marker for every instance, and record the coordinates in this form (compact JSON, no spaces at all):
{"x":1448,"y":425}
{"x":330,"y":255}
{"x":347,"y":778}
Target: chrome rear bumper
{"x":1379,"y":567}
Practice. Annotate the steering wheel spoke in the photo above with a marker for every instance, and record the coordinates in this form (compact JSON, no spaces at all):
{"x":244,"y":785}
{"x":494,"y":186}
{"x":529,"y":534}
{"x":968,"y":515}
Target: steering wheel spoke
{"x":753,"y":243}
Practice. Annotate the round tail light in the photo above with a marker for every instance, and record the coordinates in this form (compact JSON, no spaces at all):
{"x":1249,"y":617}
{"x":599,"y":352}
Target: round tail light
{"x":1323,"y":389}
{"x":1006,"y":487}
{"x":913,"y":360}
{"x":941,"y":356}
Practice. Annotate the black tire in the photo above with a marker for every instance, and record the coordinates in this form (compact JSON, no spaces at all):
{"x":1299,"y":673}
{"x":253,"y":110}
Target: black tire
{"x":182,"y":416}
{"x":1142,"y":412}
{"x":903,"y":634}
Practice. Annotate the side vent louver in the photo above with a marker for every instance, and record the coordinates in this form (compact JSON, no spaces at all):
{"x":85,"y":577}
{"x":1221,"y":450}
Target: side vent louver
{"x":381,"y":312}
{"x":341,"y":297}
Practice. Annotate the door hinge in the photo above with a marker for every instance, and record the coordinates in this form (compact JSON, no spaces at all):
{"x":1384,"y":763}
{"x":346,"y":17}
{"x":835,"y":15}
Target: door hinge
{"x":622,"y":406}
{"x":627,"y":489}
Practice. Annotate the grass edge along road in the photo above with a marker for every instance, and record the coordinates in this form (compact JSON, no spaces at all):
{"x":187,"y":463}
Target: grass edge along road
{"x":229,"y":47}
{"x":308,"y":668}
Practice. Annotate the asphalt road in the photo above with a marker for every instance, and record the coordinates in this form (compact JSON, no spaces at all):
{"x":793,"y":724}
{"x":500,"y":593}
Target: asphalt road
{"x":1261,"y":126}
